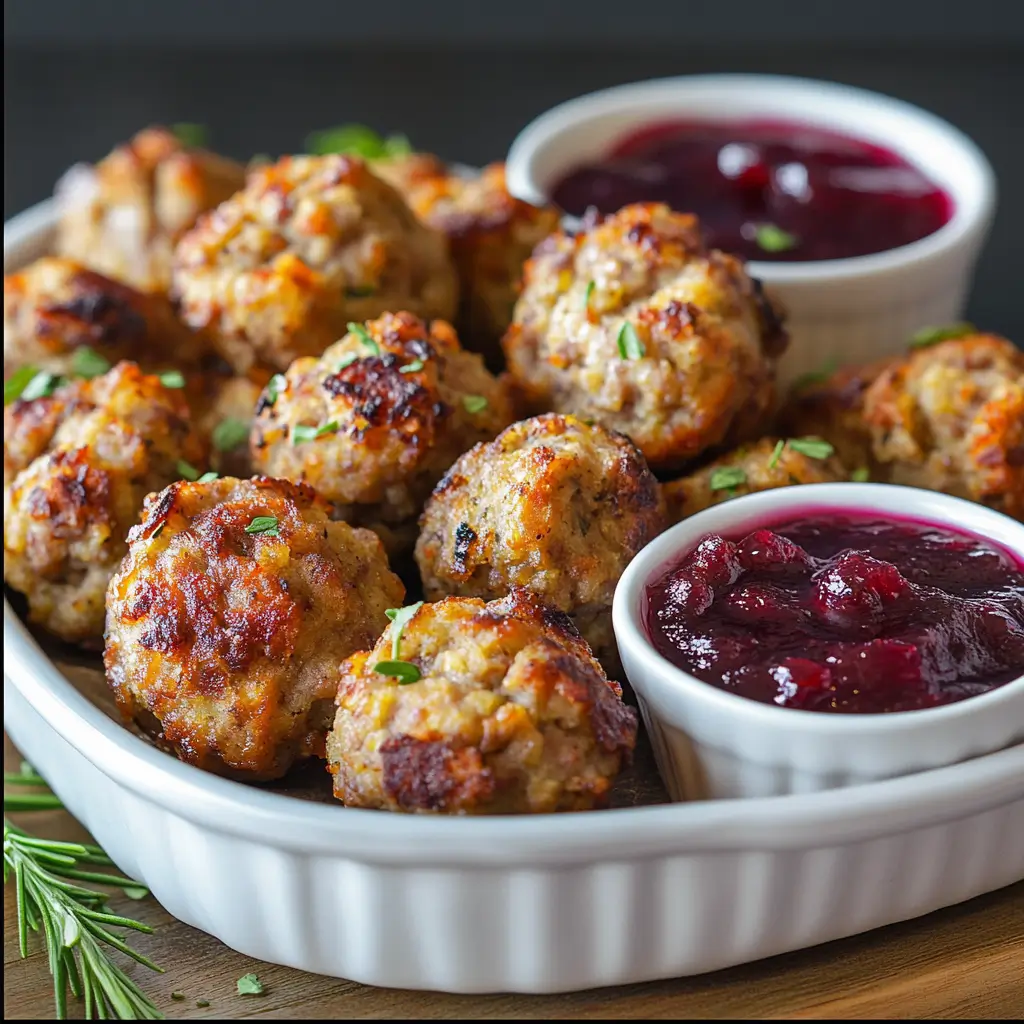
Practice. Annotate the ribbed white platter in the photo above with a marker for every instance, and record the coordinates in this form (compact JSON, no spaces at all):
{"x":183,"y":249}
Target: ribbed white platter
{"x":542,"y":904}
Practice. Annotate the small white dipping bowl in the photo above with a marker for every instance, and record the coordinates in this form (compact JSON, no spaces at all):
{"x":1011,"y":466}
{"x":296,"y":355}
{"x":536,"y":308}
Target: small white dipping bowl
{"x":847,"y":310}
{"x":712,"y":743}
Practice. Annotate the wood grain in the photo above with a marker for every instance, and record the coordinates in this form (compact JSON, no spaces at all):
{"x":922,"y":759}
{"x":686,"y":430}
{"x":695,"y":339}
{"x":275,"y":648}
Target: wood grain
{"x":965,"y":962}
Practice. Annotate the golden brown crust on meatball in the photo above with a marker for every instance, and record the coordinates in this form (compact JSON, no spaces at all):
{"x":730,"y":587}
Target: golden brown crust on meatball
{"x":948,"y":417}
{"x":77,"y":466}
{"x":633,"y":322}
{"x":554,"y":505}
{"x":511,"y":714}
{"x":225,"y":641}
{"x":54,"y":307}
{"x":309,"y":244}
{"x":396,"y":406}
{"x":754,"y":467}
{"x":124,"y":216}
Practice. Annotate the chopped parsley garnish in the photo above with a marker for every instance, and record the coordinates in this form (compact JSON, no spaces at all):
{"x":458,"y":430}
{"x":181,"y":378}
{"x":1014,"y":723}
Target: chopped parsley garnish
{"x":776,"y":454}
{"x":264,"y":524}
{"x":202,"y":1003}
{"x":404,"y":671}
{"x":346,"y":361}
{"x":818,"y":376}
{"x":365,"y":337}
{"x":933,"y":335}
{"x":178,"y":997}
{"x":399,"y":617}
{"x":414,"y":367}
{"x":630,"y":345}
{"x":771,"y":238}
{"x":474,"y":403}
{"x":812,"y":447}
{"x":587,"y":294}
{"x":172,"y":379}
{"x":301,"y":432}
{"x":861,"y":475}
{"x":88,"y":363}
{"x":192,"y":135}
{"x":276,"y":384}
{"x":249,"y":985}
{"x":15,"y":385}
{"x":187,"y":470}
{"x":727,"y":478}
{"x":208,"y":477}
{"x":358,"y":140}
{"x":230,"y":433}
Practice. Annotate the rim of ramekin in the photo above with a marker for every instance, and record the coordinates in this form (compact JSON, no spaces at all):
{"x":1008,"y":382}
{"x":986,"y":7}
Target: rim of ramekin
{"x":765,"y":507}
{"x":972,"y":210}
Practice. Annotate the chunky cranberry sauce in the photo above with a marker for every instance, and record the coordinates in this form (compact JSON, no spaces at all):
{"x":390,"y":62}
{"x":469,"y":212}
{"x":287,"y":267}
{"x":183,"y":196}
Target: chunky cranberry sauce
{"x":844,"y":613}
{"x":767,"y":190}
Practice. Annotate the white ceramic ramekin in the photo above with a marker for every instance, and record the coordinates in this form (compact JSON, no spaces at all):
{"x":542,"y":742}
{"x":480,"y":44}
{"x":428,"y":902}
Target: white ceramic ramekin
{"x":711,"y":743}
{"x":844,"y":310}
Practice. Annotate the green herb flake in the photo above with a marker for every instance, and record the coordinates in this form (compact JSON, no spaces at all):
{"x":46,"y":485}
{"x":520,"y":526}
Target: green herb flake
{"x":88,"y":363}
{"x":728,"y":477}
{"x":861,"y":475}
{"x":587,"y":295}
{"x":276,"y":384}
{"x":301,"y":432}
{"x":404,"y":671}
{"x":346,"y":361}
{"x":812,"y":447}
{"x":776,"y":454}
{"x":399,"y":617}
{"x":249,"y":985}
{"x":365,"y":337}
{"x":771,"y":238}
{"x":928,"y":336}
{"x":208,"y":478}
{"x":630,"y":345}
{"x":192,"y":135}
{"x":17,"y":382}
{"x":178,"y":997}
{"x":202,"y":1003}
{"x":172,"y":379}
{"x":267,"y":525}
{"x":41,"y":385}
{"x":414,"y":367}
{"x":818,"y":376}
{"x":229,"y":434}
{"x":358,"y":140}
{"x":187,"y":471}
{"x":474,"y":404}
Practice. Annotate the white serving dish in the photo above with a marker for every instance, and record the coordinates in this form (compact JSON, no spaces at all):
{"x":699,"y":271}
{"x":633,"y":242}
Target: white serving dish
{"x":711,"y":743}
{"x":848,"y":310}
{"x":544,"y":904}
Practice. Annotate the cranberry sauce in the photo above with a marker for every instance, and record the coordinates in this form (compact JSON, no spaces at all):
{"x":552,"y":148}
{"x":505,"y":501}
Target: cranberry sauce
{"x":841,"y":613}
{"x":767,"y":190}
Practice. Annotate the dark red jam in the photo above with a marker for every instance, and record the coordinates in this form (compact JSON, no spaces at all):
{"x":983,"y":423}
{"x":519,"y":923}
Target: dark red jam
{"x":767,"y":190}
{"x":841,"y":613}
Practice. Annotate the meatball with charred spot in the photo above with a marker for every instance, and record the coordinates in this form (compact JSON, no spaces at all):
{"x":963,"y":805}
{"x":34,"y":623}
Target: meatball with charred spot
{"x":310,"y":244}
{"x":375,"y":422}
{"x":124,"y":216}
{"x":509,"y":713}
{"x":77,"y":466}
{"x":55,"y":308}
{"x":553,"y":504}
{"x":762,"y":466}
{"x":947,"y":417}
{"x":633,"y":322}
{"x":227,"y":621}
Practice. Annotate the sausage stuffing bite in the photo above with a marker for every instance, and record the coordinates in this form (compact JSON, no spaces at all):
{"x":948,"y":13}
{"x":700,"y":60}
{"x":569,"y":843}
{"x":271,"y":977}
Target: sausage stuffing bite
{"x":554,"y":505}
{"x":948,"y":417}
{"x":762,"y":466}
{"x":311,"y":243}
{"x":77,"y":465}
{"x":633,"y":322}
{"x":124,"y":216}
{"x":501,"y":709}
{"x":375,"y":422}
{"x":227,"y":621}
{"x":59,"y":316}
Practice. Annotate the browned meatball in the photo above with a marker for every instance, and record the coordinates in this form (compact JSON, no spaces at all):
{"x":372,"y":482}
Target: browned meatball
{"x":509,"y":713}
{"x":124,"y":216}
{"x":948,"y":417}
{"x":491,"y":235}
{"x":57,"y":313}
{"x":762,"y":466}
{"x":309,"y":244}
{"x":77,"y":466}
{"x":554,"y":505}
{"x":375,"y":422}
{"x":633,"y":322}
{"x":227,"y":620}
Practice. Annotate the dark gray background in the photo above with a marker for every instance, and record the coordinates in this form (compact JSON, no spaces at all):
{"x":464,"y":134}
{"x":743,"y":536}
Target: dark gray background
{"x":461,"y":79}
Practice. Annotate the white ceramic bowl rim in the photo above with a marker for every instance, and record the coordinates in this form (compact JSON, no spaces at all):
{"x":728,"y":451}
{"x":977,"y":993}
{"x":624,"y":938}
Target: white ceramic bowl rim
{"x":752,"y":511}
{"x":773,"y":95}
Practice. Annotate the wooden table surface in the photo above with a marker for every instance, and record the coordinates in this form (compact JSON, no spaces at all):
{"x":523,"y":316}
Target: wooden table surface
{"x":963,"y":962}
